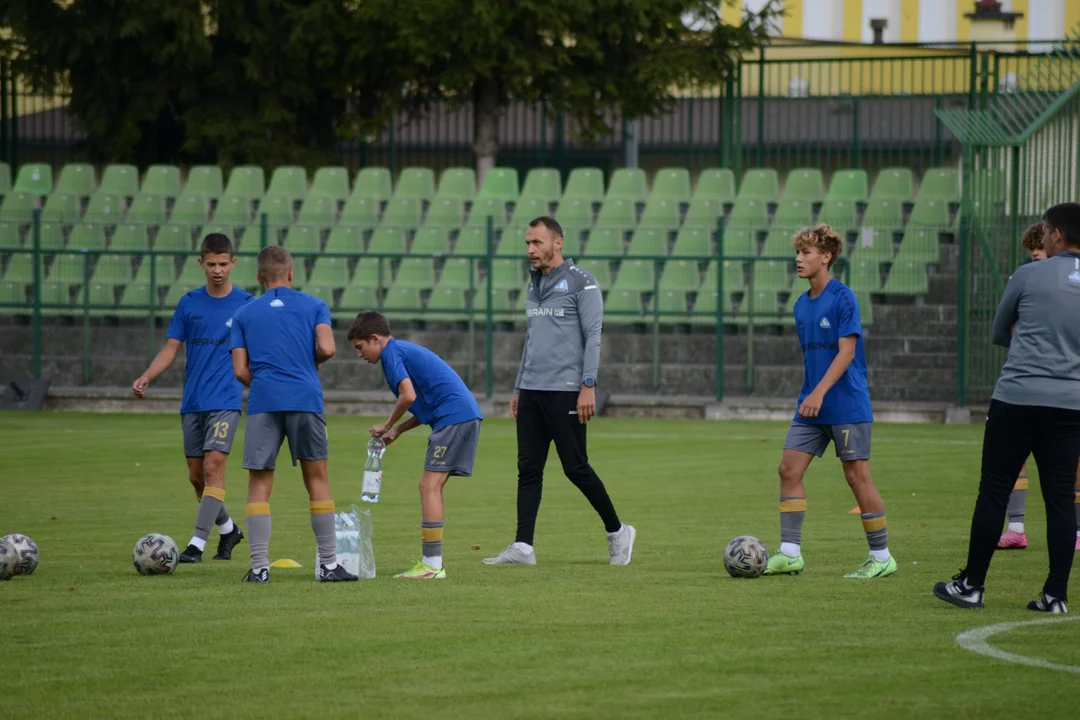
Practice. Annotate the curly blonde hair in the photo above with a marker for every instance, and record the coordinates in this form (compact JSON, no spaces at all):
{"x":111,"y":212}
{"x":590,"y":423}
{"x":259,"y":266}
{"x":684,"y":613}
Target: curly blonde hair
{"x":822,"y":237}
{"x":1032,"y":239}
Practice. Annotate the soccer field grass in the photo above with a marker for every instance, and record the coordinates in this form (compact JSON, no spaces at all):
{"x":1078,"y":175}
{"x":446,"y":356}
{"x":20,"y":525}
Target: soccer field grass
{"x":670,"y":636}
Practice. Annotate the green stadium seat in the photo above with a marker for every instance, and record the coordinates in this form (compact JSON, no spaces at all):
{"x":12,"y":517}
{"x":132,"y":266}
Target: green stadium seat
{"x":62,"y":207}
{"x":680,"y":275}
{"x":586,"y":184}
{"x":404,"y":303}
{"x":192,"y":209}
{"x":734,"y":277}
{"x":447,"y":304}
{"x":331,"y":182}
{"x":661,"y":213}
{"x":245,"y":272}
{"x":416,"y":183}
{"x":11,"y":234}
{"x":872,"y":244}
{"x":191,"y":274}
{"x":930,"y":212}
{"x":58,"y":296}
{"x":749,"y":213}
{"x":648,"y":241}
{"x":147,"y":209}
{"x":278,"y":210}
{"x":716,"y":184}
{"x":247,"y":182}
{"x":130,"y":236}
{"x":508,"y":274}
{"x":303,"y":239}
{"x":778,"y":243}
{"x":528,"y":209}
{"x":884,"y":213}
{"x":760,"y":184}
{"x":233,"y":210}
{"x":136,"y":299}
{"x":251,"y":236}
{"x":177,"y":291}
{"x":793,"y":213}
{"x":122,"y":180}
{"x":605,"y":241}
{"x":330,"y":272}
{"x":68,"y":268}
{"x":113,"y":270}
{"x":849,"y":184}
{"x":623,"y":307}
{"x":575,"y":211}
{"x":318,"y":210}
{"x":78,"y":179}
{"x":921,"y":245}
{"x":942,"y":183}
{"x":895,"y":183}
{"x":864,"y":276}
{"x":739,"y":241}
{"x":571,"y":246}
{"x":326,"y":294}
{"x":906,"y":277}
{"x":164,"y":268}
{"x":501,"y":306}
{"x":402,"y":212}
{"x":628,"y":184}
{"x":693,"y":241}
{"x":771,"y":275}
{"x":671,"y":183}
{"x":840,"y":214}
{"x":543,"y":183}
{"x":34,"y":179}
{"x":600,"y":270}
{"x":13,"y":299}
{"x":637,"y":275}
{"x":5,"y":179}
{"x":355,"y":299}
{"x":705,"y":307}
{"x":455,"y":274}
{"x":431,"y":241}
{"x":360,"y":212}
{"x":205,"y":180}
{"x":458,"y":183}
{"x":866,"y":309}
{"x":805,"y":184}
{"x":672,"y":306}
{"x":104,"y":207}
{"x":345,"y":239}
{"x":51,"y":237}
{"x":486,"y":206}
{"x":373,"y":182}
{"x":389,"y":240}
{"x":704,"y":212}
{"x":761,"y":307}
{"x":445,"y":212}
{"x":472,"y":241}
{"x":87,"y":236}
{"x":162,"y":180}
{"x":617,"y":212}
{"x":288,"y":182}
{"x":18,"y":206}
{"x":512,"y":243}
{"x":20,"y":269}
{"x":173,"y":238}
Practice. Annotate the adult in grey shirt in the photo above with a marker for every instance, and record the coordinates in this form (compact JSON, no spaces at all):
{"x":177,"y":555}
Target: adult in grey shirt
{"x":1035,"y":409}
{"x":555,"y":390}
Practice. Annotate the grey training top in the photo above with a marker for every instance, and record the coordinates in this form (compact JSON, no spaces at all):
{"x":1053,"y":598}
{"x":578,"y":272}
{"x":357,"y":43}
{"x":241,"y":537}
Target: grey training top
{"x":565,"y":312}
{"x":1043,"y":367}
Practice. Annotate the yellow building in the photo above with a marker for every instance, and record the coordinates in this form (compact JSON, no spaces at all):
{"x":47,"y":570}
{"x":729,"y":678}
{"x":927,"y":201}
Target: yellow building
{"x":924,"y":21}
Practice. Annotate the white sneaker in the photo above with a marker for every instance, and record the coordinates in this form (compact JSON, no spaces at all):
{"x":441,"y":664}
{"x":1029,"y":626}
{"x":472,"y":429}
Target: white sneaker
{"x":621,"y":545}
{"x":512,"y":556}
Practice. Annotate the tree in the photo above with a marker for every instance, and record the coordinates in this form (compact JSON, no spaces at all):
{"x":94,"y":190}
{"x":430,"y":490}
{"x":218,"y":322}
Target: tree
{"x":581,"y":57}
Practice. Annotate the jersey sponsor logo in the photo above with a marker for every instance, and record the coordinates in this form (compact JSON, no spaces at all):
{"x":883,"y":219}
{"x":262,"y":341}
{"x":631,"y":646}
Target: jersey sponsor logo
{"x":824,"y":323}
{"x":277,"y":303}
{"x":813,"y":346}
{"x":544,"y":312}
{"x":561,"y":286}
{"x":207,"y":341}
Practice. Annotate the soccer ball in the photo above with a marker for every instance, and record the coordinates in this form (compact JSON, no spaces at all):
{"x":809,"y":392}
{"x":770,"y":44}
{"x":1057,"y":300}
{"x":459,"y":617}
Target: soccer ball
{"x":156,"y":554}
{"x":745,"y":557}
{"x":27,"y":552}
{"x":9,"y":558}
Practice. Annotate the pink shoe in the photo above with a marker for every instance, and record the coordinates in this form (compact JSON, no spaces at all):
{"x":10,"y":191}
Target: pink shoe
{"x":1013,"y":540}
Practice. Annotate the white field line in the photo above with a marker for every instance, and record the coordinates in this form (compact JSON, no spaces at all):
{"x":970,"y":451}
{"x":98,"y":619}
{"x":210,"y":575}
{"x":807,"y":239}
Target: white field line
{"x":975,"y":640}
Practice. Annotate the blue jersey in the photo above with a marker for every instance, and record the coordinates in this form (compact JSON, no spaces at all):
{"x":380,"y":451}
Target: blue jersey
{"x":278,"y":332}
{"x":821,"y":322}
{"x":441,"y":396}
{"x":202,"y":322}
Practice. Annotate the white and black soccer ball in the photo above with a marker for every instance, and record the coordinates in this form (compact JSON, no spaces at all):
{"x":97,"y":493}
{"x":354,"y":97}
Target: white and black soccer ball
{"x":9,"y":560}
{"x":27,"y":550}
{"x":745,"y":557}
{"x":155,"y":554}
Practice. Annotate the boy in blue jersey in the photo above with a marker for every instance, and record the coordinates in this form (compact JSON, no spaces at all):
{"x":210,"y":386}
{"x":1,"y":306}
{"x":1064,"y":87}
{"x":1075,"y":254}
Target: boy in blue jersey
{"x":833,"y":406}
{"x":210,"y":407}
{"x":425,"y":385}
{"x":278,"y":342}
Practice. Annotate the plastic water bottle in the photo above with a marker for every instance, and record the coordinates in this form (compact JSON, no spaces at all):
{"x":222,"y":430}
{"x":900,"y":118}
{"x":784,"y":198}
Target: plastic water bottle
{"x":369,"y":491}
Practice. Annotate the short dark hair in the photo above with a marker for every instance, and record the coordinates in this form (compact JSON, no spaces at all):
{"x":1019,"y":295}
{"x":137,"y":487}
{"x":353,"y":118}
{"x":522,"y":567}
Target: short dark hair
{"x":1066,"y":218}
{"x":274,"y":263}
{"x":369,"y":323}
{"x":548,"y":222}
{"x":1032,"y":239}
{"x":216,"y":244}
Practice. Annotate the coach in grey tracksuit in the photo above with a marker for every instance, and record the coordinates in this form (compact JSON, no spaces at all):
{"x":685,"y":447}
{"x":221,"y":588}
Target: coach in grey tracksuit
{"x":555,"y":390}
{"x":1035,"y":409}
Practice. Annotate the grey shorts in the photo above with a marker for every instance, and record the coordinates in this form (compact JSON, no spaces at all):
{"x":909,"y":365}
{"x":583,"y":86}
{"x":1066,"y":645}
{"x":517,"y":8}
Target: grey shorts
{"x":852,"y":441}
{"x":265,"y":432}
{"x":452,"y":449}
{"x":210,"y":430}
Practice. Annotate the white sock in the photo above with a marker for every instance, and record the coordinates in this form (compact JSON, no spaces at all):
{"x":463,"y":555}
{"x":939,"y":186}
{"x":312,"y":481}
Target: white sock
{"x":226,"y":527}
{"x":880,"y":555}
{"x":616,"y":532}
{"x":792,"y":550}
{"x":435,"y":563}
{"x":330,"y":566}
{"x":527,"y":549}
{"x":198,"y":542}
{"x":1017,"y":527}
